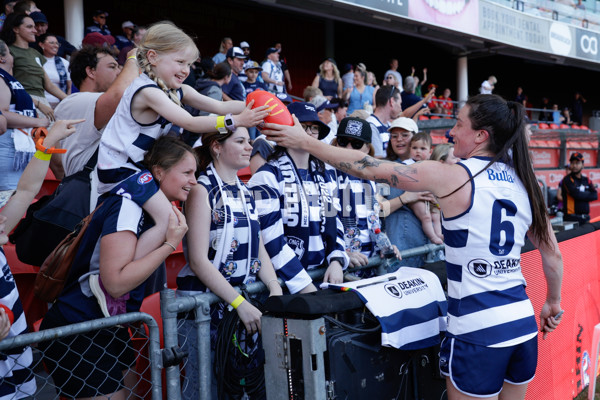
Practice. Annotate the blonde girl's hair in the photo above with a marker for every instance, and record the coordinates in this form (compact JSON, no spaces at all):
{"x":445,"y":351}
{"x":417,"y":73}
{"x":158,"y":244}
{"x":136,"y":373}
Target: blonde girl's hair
{"x":163,"y":37}
{"x":336,"y":71}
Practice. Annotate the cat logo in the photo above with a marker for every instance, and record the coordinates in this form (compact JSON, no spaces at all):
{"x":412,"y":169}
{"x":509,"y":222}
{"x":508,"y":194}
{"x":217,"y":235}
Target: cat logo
{"x":297,"y":245}
{"x":480,"y":268}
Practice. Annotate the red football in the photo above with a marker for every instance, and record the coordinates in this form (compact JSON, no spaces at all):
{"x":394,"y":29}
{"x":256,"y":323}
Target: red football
{"x":9,"y":313}
{"x":278,"y":112}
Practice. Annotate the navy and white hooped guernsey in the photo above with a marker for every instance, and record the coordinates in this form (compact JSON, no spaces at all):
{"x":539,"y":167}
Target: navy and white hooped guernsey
{"x":487,"y":303}
{"x":125,"y":140}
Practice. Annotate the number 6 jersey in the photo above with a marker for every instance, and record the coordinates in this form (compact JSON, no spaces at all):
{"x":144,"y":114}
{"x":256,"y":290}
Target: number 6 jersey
{"x":487,"y":303}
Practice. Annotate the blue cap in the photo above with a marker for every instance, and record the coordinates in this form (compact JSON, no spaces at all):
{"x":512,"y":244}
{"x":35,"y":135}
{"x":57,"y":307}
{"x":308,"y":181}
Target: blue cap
{"x":306,"y":112}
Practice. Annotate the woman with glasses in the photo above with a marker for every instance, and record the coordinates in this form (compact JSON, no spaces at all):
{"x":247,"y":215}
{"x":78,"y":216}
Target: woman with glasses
{"x":299,"y":223}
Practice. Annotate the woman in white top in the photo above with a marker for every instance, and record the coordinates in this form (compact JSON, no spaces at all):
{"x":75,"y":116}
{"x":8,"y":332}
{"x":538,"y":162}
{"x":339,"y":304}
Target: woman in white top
{"x":57,"y":68}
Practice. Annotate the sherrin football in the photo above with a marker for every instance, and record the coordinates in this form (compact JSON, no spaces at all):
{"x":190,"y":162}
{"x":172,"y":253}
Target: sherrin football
{"x":278,"y":112}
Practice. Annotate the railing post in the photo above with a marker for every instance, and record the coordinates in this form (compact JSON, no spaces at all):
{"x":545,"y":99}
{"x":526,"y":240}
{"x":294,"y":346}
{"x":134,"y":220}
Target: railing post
{"x":203,"y":345}
{"x":167,"y":296}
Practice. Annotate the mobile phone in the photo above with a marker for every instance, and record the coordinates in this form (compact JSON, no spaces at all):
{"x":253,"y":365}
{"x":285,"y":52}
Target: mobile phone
{"x":560,"y":313}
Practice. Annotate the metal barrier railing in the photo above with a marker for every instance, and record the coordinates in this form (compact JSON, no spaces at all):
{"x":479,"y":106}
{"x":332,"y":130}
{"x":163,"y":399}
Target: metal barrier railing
{"x":150,"y":359}
{"x":172,"y":306}
{"x":148,"y":351}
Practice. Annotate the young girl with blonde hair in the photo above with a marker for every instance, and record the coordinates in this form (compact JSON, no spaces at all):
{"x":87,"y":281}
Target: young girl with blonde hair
{"x":148,"y":107}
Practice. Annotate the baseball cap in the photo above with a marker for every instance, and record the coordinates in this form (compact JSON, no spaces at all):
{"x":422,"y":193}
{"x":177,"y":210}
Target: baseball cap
{"x":235,"y":52}
{"x":271,"y":50}
{"x":127,"y":24}
{"x":98,"y":12}
{"x":98,"y":39}
{"x":404,"y":123}
{"x":576,"y":157}
{"x":244,"y":45}
{"x":321,"y":103}
{"x":285,"y":98}
{"x":38,"y":17}
{"x":306,"y":112}
{"x":355,"y":128}
{"x":252,"y":65}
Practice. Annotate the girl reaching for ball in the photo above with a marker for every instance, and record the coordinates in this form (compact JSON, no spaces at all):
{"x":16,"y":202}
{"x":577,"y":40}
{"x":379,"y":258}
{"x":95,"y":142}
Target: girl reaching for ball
{"x":148,"y":107}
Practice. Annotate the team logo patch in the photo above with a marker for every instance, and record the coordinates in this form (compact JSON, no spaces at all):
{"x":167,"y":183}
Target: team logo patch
{"x":353,"y":128}
{"x":480,"y":268}
{"x":144,"y":178}
{"x":393,"y":290}
{"x":297,"y":245}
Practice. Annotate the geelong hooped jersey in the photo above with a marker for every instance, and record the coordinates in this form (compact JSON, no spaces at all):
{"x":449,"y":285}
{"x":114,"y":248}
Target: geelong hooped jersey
{"x":125,"y":140}
{"x":487,"y":303}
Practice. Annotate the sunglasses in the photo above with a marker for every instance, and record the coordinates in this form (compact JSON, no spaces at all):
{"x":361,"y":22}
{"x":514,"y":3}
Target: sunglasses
{"x":314,"y":129}
{"x":356,"y":143}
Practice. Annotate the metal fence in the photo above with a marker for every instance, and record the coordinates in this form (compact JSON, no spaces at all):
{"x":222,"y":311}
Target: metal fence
{"x":145,"y":380}
{"x":142,"y":347}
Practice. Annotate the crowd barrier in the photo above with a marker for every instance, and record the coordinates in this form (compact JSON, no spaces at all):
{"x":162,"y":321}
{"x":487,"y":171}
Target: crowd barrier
{"x":565,"y":362}
{"x":145,"y":345}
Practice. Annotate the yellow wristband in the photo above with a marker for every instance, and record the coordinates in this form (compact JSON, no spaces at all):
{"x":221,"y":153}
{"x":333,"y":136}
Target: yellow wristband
{"x":40,"y":155}
{"x":220,"y":123}
{"x":238,"y":300}
{"x":132,"y":58}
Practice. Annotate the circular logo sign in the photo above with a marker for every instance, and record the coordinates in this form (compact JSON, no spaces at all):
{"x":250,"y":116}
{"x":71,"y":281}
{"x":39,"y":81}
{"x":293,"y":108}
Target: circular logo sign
{"x":480,"y":268}
{"x":560,"y":38}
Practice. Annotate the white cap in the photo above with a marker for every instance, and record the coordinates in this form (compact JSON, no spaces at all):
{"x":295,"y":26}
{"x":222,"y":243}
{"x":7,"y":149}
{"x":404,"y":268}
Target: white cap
{"x":127,"y":24}
{"x":244,"y":44}
{"x":404,"y":123}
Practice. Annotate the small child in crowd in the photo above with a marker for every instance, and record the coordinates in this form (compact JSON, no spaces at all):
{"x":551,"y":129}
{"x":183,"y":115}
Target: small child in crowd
{"x":251,"y":84}
{"x":420,"y":149}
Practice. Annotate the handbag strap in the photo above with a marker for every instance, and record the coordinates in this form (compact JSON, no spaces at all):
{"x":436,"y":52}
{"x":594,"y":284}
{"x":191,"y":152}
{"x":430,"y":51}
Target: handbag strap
{"x":91,"y":163}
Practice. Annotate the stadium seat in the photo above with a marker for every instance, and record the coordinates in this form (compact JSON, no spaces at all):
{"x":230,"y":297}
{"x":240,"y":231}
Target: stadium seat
{"x":423,"y":118}
{"x":575,"y":127}
{"x":24,"y":275}
{"x":564,"y":126}
{"x":553,"y":126}
{"x":174,"y":262}
{"x":543,"y":126}
{"x":244,"y":174}
{"x":584,"y":127}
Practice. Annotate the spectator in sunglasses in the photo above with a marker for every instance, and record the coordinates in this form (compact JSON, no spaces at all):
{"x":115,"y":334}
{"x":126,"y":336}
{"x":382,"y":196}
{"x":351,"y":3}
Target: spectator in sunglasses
{"x":359,"y":211}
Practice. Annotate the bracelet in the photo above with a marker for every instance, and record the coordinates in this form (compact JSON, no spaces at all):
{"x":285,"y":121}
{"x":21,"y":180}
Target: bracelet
{"x":42,"y":156}
{"x":401,"y":202}
{"x":238,"y":300}
{"x":132,"y":58}
{"x":170,"y":245}
{"x":39,"y":134}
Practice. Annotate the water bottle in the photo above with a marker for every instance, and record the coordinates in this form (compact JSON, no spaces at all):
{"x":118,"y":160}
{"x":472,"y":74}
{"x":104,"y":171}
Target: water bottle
{"x":384,"y":244}
{"x":389,"y":262}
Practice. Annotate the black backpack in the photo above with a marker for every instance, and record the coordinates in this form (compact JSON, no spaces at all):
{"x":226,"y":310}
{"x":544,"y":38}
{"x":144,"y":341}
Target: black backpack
{"x":49,"y":220}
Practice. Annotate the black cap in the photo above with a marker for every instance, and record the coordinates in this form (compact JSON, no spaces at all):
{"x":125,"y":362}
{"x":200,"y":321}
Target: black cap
{"x":98,"y":12}
{"x":355,"y":128}
{"x":576,"y":157}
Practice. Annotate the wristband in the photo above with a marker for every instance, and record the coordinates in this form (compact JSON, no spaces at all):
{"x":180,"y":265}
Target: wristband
{"x":401,"y":202}
{"x":238,"y":300}
{"x":132,"y":58}
{"x":221,"y":125}
{"x":229,"y":122}
{"x":42,"y":156}
{"x":170,"y":245}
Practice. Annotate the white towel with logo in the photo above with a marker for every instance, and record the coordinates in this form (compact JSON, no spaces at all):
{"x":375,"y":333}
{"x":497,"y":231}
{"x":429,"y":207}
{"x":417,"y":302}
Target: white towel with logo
{"x":410,"y":305}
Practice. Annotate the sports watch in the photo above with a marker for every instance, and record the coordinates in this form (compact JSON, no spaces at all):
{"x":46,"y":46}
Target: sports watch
{"x":229,"y":122}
